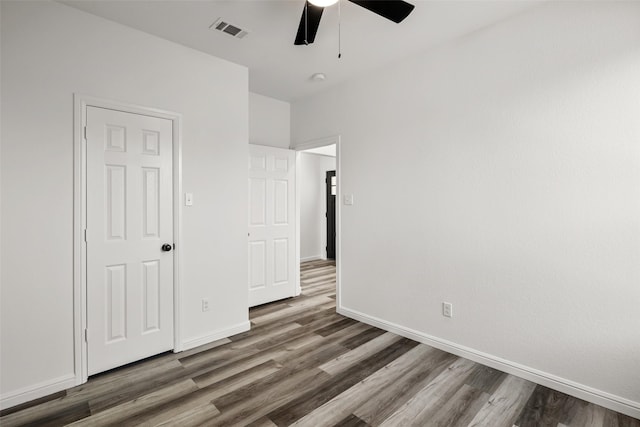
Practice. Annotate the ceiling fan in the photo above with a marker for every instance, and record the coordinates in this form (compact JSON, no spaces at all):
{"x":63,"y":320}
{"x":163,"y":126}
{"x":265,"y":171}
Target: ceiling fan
{"x":394,"y":10}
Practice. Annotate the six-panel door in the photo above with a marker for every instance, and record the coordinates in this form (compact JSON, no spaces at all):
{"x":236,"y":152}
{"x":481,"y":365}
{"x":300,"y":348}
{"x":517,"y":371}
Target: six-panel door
{"x":129,"y":218}
{"x":271,"y":224}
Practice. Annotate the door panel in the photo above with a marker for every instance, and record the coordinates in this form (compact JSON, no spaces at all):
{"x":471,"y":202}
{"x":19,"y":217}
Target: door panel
{"x":258,"y":202}
{"x":129,"y":217}
{"x":281,"y":202}
{"x":151,"y":301}
{"x":150,"y":203}
{"x":116,"y":202}
{"x":257,"y":264}
{"x":281,"y":261}
{"x":116,"y":300}
{"x":271,"y":224}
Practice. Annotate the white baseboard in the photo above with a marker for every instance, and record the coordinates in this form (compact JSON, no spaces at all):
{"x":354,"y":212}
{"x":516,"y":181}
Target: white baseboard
{"x":219,"y":334}
{"x":311,"y":258}
{"x":599,"y":397}
{"x":55,"y":385}
{"x":37,"y":391}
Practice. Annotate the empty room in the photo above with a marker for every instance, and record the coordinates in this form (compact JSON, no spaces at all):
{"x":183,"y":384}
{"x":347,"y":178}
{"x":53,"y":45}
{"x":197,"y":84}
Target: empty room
{"x":320,"y":213}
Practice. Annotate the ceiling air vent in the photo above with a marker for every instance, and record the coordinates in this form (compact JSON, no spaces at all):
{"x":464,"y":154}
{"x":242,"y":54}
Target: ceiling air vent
{"x":225,"y":27}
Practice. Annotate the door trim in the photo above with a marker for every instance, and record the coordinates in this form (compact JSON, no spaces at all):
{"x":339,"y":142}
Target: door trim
{"x":81,"y":102}
{"x":315,"y":143}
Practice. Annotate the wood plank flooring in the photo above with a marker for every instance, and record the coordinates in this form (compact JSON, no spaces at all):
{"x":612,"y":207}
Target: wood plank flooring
{"x":303,"y":364}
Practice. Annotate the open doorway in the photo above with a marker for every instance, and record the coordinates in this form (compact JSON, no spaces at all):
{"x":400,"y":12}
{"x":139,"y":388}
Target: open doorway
{"x":318,"y":234}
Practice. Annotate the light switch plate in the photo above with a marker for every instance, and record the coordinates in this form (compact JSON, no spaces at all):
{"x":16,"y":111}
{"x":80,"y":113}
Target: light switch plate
{"x":348,"y":199}
{"x":188,"y":199}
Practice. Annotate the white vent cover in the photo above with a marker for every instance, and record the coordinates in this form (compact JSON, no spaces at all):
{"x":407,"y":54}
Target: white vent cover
{"x":225,"y":27}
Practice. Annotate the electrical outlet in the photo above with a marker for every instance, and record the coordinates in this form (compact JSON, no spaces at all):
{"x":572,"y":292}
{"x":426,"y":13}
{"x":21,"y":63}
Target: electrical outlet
{"x":447,"y":309}
{"x":205,"y":304}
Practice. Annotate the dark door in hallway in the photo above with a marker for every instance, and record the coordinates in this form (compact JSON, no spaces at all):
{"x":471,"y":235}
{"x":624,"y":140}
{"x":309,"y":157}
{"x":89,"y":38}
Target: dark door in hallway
{"x":332,"y":190}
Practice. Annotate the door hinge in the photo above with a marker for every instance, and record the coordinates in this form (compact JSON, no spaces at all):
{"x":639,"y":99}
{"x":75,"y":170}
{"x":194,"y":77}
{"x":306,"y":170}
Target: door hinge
{"x":86,"y":336}
{"x":85,"y":133}
{"x":85,"y":235}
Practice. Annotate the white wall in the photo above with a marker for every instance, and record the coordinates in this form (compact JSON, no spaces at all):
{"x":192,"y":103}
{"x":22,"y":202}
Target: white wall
{"x":50,"y":51}
{"x":313,"y":205}
{"x":501,"y":172}
{"x":269,"y":121}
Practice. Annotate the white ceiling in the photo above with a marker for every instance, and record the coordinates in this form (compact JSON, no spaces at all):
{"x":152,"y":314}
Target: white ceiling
{"x":281,"y":70}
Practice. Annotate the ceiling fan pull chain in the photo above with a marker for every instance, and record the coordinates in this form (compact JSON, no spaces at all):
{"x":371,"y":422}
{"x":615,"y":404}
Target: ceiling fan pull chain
{"x":339,"y":31}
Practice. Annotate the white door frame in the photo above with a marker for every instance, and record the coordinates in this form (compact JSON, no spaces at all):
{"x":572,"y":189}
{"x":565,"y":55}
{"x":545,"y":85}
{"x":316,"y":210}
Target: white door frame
{"x":322,"y":142}
{"x":81,"y":102}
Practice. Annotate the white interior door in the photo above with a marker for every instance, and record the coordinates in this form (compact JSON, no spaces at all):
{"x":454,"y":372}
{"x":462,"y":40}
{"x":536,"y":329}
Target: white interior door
{"x":271,"y":224}
{"x":129,"y":219}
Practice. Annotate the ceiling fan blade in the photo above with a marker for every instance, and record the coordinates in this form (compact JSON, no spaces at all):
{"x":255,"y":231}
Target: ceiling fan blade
{"x":394,"y":10}
{"x":309,"y":23}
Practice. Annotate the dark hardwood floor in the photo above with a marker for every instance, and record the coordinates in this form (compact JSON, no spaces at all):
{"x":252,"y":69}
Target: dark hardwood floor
{"x":303,"y":364}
